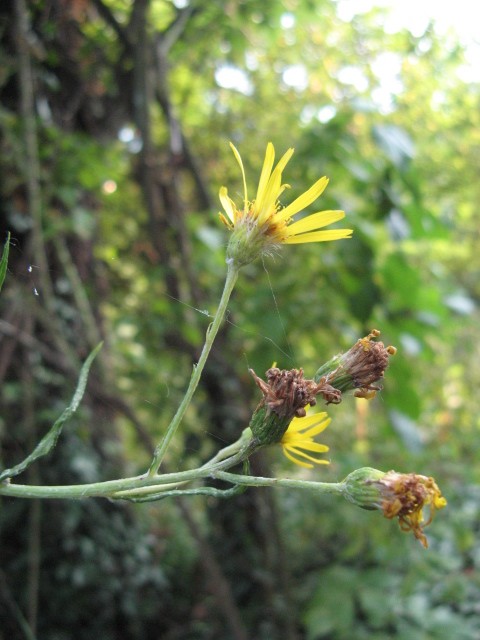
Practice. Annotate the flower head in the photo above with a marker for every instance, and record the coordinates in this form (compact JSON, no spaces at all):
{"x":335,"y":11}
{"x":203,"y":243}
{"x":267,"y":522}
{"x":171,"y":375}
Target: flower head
{"x":405,"y":496}
{"x":299,"y":439}
{"x":399,"y":495}
{"x":260,"y":224}
{"x":359,"y":368}
{"x":286,"y":393}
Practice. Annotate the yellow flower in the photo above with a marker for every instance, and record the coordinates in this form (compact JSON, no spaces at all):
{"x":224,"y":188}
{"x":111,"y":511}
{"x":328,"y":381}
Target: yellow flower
{"x":263,"y":222}
{"x":299,"y":438}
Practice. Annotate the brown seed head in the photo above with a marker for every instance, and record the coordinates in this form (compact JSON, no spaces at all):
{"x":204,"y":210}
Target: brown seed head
{"x":359,"y":368}
{"x":286,"y":392}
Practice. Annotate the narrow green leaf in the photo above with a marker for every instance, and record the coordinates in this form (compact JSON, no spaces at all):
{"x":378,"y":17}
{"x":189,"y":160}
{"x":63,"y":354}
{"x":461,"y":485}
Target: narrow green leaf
{"x":49,"y":440}
{"x":4,"y":261}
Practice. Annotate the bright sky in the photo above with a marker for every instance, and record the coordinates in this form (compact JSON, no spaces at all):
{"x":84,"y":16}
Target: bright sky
{"x":415,"y":14}
{"x":457,"y":18}
{"x":461,"y":16}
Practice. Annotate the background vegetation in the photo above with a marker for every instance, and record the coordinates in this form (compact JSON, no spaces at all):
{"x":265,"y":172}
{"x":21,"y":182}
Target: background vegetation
{"x":115,"y":119}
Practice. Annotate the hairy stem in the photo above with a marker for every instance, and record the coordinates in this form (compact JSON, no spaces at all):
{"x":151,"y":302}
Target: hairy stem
{"x":257,"y":481}
{"x":111,"y":488}
{"x":232,"y":274}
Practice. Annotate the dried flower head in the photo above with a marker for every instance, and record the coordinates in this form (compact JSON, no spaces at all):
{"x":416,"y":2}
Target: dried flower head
{"x":398,"y":495}
{"x":262,"y":224}
{"x":286,"y":393}
{"x":357,"y":369}
{"x":406,"y":496}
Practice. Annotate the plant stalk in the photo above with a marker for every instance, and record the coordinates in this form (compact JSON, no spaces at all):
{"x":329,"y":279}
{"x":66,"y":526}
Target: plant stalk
{"x":232,"y":274}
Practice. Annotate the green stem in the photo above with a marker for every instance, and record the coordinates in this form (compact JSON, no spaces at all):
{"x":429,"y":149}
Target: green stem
{"x":232,"y":274}
{"x":238,"y":452}
{"x":111,"y":488}
{"x":95,"y":489}
{"x":256,"y":481}
{"x":242,"y":444}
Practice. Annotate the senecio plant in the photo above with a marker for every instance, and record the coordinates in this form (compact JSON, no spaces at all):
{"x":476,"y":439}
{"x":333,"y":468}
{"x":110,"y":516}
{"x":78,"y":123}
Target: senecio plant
{"x":259,"y":227}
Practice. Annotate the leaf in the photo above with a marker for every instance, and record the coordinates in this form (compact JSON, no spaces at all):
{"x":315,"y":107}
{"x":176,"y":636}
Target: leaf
{"x":49,"y":440}
{"x":4,"y":261}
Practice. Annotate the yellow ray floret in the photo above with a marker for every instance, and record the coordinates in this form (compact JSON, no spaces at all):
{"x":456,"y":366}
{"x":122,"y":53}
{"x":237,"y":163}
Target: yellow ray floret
{"x":265,"y":218}
{"x":299,"y":438}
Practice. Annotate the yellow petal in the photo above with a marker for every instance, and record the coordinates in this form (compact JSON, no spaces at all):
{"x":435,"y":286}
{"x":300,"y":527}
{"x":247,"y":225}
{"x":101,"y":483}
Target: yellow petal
{"x":297,"y":452}
{"x":312,"y":419}
{"x":282,"y":163}
{"x":239,"y":160}
{"x":228,"y":224}
{"x":295,"y":425}
{"x":282,"y":189}
{"x":317,"y":428}
{"x":266,"y":170}
{"x":273,"y":189}
{"x":320,"y":236}
{"x":307,"y":465}
{"x":300,"y":424}
{"x":314,"y":221}
{"x":309,"y":446}
{"x":227,"y":204}
{"x":293,"y":429}
{"x":305,"y":199}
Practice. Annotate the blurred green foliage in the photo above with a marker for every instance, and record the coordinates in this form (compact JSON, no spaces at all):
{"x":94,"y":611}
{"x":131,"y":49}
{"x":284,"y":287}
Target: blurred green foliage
{"x":389,"y":119}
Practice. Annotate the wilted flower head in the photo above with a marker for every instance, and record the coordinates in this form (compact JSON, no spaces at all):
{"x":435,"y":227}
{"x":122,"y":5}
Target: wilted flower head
{"x":286,"y":393}
{"x":405,"y":496}
{"x":359,"y":368}
{"x":261,"y":224}
{"x":299,"y":439}
{"x":399,"y":495}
